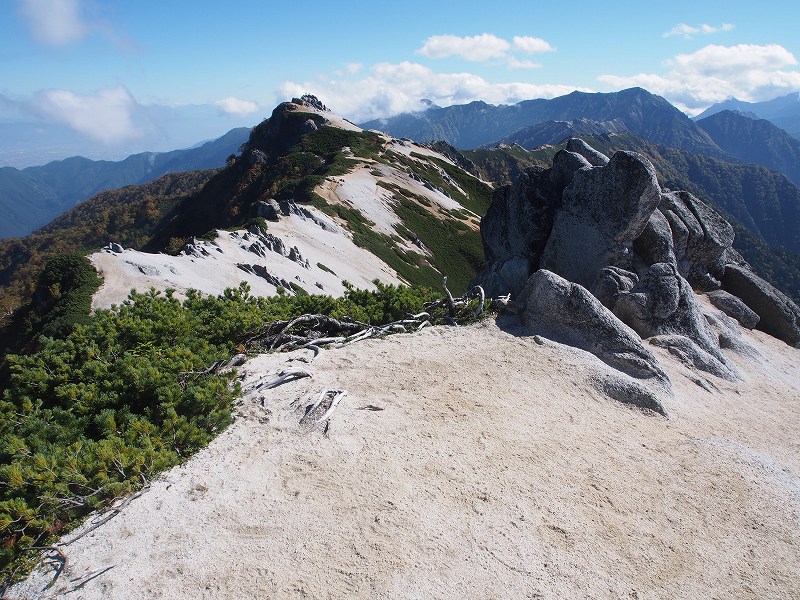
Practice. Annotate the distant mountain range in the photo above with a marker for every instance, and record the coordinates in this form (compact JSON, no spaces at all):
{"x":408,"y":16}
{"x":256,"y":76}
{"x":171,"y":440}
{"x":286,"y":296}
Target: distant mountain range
{"x":755,"y":141}
{"x":31,"y":197}
{"x":477,"y":124}
{"x":726,"y":131}
{"x":554,"y":132}
{"x":783,"y":112}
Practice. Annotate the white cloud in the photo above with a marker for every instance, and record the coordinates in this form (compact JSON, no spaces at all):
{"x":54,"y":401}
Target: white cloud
{"x":234,"y":106}
{"x":354,"y":68}
{"x":107,"y":116}
{"x":476,"y":48}
{"x":713,"y":73}
{"x":54,"y":22}
{"x":388,"y":89}
{"x":688,"y":31}
{"x":532,"y":45}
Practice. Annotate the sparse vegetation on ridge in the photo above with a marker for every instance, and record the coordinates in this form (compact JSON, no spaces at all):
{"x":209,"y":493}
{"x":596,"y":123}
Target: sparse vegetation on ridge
{"x":739,"y":192}
{"x":128,"y":216}
{"x":98,"y":412}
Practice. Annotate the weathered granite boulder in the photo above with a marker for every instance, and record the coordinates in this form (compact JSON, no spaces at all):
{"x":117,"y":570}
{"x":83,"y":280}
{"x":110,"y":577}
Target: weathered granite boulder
{"x":515,"y":230}
{"x":779,"y":316}
{"x":565,"y":165}
{"x":603,"y":211}
{"x":611,"y":282}
{"x":629,"y":391}
{"x":595,"y":158}
{"x":701,"y":238}
{"x":503,"y":277}
{"x":733,"y":307}
{"x":519,"y":217}
{"x":567,"y":313}
{"x":654,"y":298}
{"x":729,"y":332}
{"x":692,"y":355}
{"x":662,"y":303}
{"x":655,"y":244}
{"x":605,"y":225}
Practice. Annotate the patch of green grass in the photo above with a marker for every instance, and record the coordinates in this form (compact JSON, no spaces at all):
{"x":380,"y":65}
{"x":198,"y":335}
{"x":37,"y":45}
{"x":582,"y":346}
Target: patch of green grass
{"x":318,"y":155}
{"x":477,"y":195}
{"x":326,"y":269}
{"x":411,"y":266}
{"x":208,"y":236}
{"x":457,"y":250}
{"x":298,"y":289}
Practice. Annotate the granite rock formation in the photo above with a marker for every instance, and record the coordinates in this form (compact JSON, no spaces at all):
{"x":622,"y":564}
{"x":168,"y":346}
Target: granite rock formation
{"x":602,"y":232}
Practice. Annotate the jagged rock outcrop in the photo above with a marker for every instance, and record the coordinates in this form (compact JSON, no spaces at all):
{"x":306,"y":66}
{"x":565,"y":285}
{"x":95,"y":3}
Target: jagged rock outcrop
{"x":733,"y":307}
{"x":701,"y":238}
{"x":114,"y":247}
{"x":602,"y":212}
{"x":655,"y":244}
{"x":568,"y":313}
{"x":595,"y":158}
{"x":663,"y":304}
{"x":589,"y":223}
{"x":515,"y":230}
{"x":269,"y":209}
{"x":261,"y":271}
{"x":779,"y":316}
{"x":519,"y":221}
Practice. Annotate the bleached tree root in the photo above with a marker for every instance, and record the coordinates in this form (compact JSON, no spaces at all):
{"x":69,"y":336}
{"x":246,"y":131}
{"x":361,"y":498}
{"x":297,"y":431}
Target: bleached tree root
{"x":326,"y":402}
{"x":315,"y":331}
{"x":282,"y":377}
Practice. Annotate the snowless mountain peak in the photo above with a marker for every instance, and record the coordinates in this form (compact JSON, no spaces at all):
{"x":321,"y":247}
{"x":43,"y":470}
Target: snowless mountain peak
{"x":350,"y":215}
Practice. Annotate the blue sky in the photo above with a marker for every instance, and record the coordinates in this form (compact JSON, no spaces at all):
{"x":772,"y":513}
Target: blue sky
{"x":124,"y":74}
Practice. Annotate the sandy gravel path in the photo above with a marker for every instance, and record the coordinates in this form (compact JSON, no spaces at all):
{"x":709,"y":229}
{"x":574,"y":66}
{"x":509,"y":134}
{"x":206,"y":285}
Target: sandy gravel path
{"x":470,"y":463}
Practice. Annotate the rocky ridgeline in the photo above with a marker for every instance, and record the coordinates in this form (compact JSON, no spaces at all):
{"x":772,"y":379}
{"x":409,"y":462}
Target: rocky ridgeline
{"x":596,"y":255}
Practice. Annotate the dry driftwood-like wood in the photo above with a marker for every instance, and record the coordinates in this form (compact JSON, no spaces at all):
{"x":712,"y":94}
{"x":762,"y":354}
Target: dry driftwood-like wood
{"x":284,"y":376}
{"x":106,"y":516}
{"x":338,"y":397}
{"x":315,"y":331}
{"x":329,"y":399}
{"x":322,"y":322}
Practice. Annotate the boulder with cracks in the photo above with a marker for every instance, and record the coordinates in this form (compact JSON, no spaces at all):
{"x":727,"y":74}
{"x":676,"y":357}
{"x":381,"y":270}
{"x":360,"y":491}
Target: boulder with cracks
{"x":567,"y":313}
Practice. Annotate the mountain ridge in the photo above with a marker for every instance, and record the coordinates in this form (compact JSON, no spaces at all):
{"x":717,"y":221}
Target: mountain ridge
{"x":411,"y":207}
{"x":756,"y":141}
{"x":477,"y":124}
{"x":33,"y":196}
{"x":783,"y":112}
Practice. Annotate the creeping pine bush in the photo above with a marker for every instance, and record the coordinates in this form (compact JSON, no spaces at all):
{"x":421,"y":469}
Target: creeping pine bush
{"x":98,"y":412}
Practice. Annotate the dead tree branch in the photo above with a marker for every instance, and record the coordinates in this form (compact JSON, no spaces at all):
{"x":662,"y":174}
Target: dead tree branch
{"x":316,"y":331}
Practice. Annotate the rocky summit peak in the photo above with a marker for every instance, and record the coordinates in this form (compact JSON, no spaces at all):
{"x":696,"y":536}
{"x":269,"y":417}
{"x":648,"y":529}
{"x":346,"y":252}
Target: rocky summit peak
{"x":310,"y":101}
{"x":595,"y":254}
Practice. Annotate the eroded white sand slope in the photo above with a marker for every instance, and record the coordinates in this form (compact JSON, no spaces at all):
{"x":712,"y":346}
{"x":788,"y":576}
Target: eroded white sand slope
{"x":470,"y":463}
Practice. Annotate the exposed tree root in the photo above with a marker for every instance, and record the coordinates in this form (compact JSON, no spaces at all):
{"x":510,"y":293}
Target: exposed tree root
{"x":315,"y":332}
